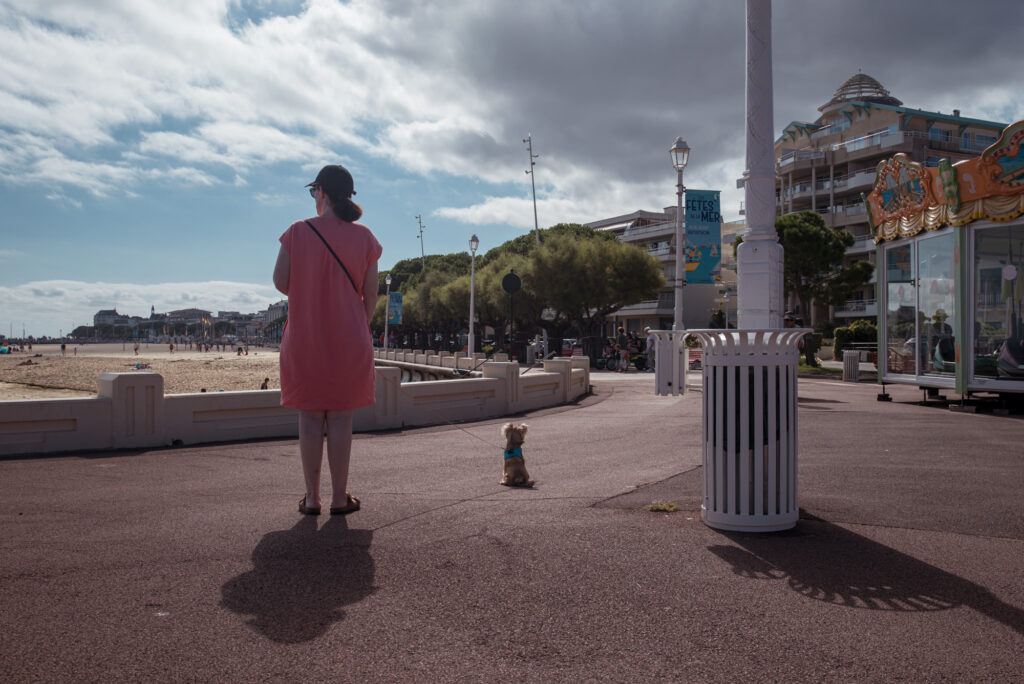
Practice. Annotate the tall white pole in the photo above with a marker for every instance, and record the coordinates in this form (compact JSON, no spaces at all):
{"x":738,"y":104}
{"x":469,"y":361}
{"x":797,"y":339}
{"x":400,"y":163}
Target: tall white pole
{"x":680,"y":280}
{"x":387,"y":309}
{"x":533,"y":186}
{"x":759,"y":257}
{"x":472,"y":300}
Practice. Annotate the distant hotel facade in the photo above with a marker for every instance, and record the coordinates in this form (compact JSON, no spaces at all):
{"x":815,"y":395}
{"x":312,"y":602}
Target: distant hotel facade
{"x":828,"y":165}
{"x":250,"y":325}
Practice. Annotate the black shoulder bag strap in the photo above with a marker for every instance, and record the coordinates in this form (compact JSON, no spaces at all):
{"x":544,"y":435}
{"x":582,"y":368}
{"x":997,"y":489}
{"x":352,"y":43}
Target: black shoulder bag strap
{"x":340,"y":263}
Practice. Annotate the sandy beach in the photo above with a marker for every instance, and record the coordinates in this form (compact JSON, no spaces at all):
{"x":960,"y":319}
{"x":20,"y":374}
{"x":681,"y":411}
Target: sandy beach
{"x":76,"y":375}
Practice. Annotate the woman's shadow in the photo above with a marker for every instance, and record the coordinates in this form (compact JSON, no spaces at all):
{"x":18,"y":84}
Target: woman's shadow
{"x":829,"y":563}
{"x":301,"y":578}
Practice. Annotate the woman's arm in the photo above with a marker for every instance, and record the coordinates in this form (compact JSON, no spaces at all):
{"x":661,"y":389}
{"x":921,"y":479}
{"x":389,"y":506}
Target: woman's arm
{"x":282,"y":271}
{"x":370,"y":286}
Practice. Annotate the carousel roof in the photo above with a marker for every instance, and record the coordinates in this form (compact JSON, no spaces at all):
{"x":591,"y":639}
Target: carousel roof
{"x":863,"y":88}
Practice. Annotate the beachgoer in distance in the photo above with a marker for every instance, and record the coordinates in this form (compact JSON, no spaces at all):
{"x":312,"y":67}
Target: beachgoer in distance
{"x":326,"y":350}
{"x":651,"y":341}
{"x":266,"y":383}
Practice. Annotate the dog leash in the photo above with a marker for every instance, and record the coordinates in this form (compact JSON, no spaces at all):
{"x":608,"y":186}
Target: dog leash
{"x":398,"y":386}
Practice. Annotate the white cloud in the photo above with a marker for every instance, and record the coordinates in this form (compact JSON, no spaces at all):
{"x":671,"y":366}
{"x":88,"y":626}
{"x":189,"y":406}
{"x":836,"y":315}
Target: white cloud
{"x":46,"y":307}
{"x":103,"y":96}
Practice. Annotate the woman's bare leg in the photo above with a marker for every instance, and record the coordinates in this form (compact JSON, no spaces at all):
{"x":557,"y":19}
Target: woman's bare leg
{"x":311,"y":448}
{"x":339,"y":451}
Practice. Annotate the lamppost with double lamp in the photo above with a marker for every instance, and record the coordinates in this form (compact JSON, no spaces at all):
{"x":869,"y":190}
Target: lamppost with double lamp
{"x":474,"y":242}
{"x":387,"y":308}
{"x":680,"y":153}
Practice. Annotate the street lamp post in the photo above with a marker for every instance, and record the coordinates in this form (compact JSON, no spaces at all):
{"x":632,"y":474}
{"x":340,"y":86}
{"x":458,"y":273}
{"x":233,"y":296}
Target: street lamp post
{"x":387,"y":308}
{"x":474,"y":242}
{"x":680,"y":154}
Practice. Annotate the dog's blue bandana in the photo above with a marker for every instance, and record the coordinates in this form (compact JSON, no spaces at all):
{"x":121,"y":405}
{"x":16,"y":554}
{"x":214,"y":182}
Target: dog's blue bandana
{"x":514,"y":453}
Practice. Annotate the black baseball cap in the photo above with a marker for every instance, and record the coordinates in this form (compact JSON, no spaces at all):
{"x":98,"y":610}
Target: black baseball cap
{"x":334,"y":180}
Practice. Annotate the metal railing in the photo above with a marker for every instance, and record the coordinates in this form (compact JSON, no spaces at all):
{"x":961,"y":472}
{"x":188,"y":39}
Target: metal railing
{"x":885,"y":138}
{"x":631,"y":234}
{"x":800,"y":155}
{"x":864,"y":177}
{"x":856,"y":306}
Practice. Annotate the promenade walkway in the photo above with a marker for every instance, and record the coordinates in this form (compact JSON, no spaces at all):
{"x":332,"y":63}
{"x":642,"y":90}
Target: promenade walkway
{"x":193,"y":564}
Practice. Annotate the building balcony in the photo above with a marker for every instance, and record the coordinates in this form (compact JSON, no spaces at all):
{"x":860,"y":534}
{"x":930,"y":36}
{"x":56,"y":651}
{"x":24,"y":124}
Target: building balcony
{"x":663,"y":306}
{"x":648,"y":232}
{"x":857,"y":308}
{"x":886,"y":142}
{"x":793,"y":156}
{"x":861,"y":246}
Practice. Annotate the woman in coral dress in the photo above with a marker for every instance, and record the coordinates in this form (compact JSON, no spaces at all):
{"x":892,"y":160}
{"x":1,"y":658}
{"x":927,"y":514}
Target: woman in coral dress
{"x":327,"y":352}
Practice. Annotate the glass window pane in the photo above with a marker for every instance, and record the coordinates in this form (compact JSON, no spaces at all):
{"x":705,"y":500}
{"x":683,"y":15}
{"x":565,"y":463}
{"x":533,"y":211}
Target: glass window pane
{"x":901,"y":303}
{"x":936,"y":308}
{"x":998,"y":301}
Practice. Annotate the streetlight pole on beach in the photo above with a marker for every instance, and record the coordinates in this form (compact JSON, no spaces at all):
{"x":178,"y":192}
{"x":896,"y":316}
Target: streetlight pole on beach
{"x":423,"y":254}
{"x":533,"y":186}
{"x":474,"y":242}
{"x":680,"y":154}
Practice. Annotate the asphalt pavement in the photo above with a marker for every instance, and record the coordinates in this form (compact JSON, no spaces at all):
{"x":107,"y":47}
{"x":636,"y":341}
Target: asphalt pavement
{"x":194,"y":564}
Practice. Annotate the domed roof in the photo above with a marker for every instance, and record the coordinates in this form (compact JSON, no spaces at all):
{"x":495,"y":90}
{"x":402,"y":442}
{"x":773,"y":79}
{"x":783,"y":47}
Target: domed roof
{"x":864,"y":88}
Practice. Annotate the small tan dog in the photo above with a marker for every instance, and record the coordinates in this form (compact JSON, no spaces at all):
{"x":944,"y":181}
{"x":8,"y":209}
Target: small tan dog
{"x":514,"y":471}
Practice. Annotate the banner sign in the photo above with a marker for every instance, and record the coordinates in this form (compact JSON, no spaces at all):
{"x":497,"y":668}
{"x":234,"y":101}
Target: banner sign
{"x":703,"y":236}
{"x":394,"y":308}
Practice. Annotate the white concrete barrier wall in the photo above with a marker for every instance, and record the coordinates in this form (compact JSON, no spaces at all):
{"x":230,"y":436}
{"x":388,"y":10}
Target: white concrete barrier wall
{"x":227,"y":416}
{"x":132,"y":411}
{"x":52,"y":425}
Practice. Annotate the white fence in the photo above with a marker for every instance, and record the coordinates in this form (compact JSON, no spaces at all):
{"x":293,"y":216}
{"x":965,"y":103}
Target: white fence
{"x":131,"y":410}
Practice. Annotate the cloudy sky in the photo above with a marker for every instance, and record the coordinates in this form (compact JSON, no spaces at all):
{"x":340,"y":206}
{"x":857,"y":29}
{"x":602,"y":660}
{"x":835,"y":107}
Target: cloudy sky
{"x":152,"y":152}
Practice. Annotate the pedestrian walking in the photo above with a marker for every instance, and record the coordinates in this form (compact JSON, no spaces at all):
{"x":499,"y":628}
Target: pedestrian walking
{"x":622,"y":345}
{"x":327,"y":267}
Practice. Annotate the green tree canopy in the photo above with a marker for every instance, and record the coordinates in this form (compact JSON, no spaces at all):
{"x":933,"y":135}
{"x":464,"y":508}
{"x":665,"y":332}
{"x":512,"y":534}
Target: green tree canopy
{"x":571,"y":282}
{"x":526,"y":243}
{"x":813,"y":263}
{"x":408,"y":273}
{"x":813,"y":267}
{"x":581,"y":280}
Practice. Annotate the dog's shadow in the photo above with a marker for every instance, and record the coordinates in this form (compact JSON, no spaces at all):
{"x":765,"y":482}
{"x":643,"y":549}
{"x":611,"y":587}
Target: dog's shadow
{"x":828,"y":563}
{"x":301,"y":578}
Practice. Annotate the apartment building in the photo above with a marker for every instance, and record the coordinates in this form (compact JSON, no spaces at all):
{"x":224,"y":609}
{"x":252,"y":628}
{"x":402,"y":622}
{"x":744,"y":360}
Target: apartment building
{"x":828,"y":165}
{"x":654,"y":232}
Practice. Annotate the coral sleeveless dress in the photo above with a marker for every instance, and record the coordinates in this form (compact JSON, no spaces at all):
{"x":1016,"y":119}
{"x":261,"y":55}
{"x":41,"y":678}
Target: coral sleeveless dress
{"x":326,"y":351}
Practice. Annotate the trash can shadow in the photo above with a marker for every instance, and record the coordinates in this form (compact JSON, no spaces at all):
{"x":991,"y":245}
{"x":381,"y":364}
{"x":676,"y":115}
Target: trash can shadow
{"x":828,"y":563}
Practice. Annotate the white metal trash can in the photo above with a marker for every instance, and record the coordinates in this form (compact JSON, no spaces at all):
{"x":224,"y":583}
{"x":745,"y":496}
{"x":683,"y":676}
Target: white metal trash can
{"x":851,"y":365}
{"x":671,"y":362}
{"x":750,"y":428}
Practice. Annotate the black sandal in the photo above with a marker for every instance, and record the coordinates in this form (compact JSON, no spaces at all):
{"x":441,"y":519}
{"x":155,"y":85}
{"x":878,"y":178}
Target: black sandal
{"x":351,"y":506}
{"x":307,"y":510}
